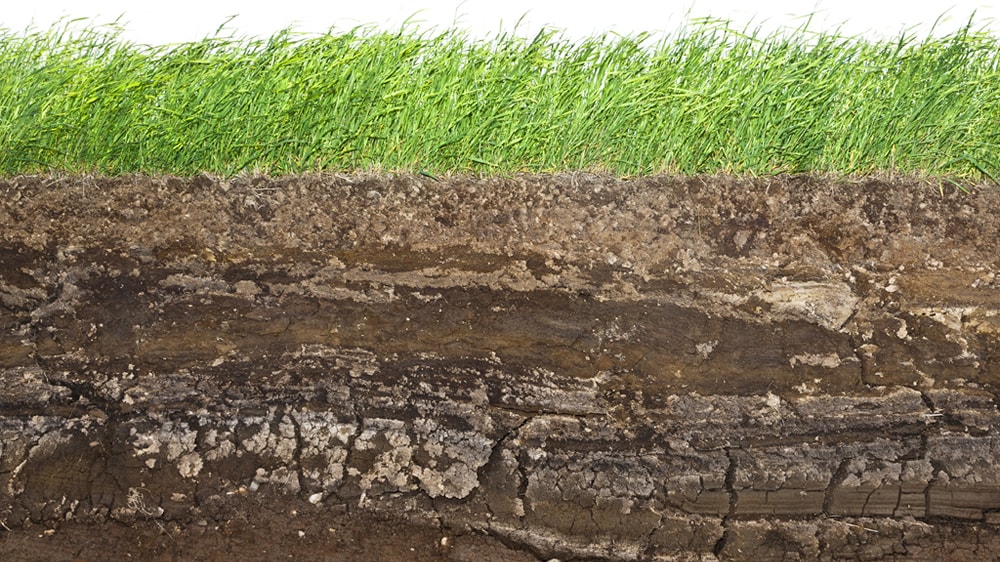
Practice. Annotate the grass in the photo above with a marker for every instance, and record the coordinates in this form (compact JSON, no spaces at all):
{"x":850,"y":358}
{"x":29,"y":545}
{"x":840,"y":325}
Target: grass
{"x":709,"y":99}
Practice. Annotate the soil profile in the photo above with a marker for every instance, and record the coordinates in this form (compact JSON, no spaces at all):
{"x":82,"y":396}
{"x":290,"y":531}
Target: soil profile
{"x":570,"y":367}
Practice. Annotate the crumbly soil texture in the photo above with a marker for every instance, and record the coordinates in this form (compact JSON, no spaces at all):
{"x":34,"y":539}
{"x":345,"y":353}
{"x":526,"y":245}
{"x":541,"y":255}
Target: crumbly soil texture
{"x":568,"y":367}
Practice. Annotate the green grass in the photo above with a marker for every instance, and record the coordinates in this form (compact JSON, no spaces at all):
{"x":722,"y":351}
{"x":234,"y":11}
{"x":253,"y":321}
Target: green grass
{"x":709,"y":99}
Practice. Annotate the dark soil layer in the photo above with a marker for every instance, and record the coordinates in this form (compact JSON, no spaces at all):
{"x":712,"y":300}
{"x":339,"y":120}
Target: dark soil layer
{"x":569,"y":366}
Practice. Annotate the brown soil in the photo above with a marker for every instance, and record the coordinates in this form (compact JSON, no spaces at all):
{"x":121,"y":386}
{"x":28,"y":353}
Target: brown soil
{"x":570,"y":366}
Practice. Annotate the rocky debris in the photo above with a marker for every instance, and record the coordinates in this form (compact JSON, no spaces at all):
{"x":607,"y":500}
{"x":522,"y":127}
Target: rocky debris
{"x":569,"y":366}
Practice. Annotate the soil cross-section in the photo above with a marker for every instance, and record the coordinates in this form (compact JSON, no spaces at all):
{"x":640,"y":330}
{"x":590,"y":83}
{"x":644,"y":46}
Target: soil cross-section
{"x":535,"y":367}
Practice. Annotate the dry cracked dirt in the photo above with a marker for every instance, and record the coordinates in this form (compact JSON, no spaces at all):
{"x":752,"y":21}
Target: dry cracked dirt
{"x":568,"y":367}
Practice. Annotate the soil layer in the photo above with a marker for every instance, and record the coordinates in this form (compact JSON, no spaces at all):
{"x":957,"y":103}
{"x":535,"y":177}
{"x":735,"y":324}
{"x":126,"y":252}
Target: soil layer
{"x":535,"y":367}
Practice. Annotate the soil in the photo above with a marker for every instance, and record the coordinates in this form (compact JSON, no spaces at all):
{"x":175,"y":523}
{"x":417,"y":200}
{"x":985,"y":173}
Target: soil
{"x":565,"y":366}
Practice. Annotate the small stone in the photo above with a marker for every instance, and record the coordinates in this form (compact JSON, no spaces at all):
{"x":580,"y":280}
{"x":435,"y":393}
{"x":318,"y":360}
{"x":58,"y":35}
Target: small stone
{"x":247,"y":288}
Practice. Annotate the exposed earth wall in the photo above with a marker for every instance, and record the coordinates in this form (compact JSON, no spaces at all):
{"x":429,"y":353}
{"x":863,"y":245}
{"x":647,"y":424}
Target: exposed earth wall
{"x":536,"y":367}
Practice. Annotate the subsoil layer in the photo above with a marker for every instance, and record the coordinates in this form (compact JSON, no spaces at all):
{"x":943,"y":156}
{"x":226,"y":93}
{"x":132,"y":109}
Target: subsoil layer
{"x":536,"y":367}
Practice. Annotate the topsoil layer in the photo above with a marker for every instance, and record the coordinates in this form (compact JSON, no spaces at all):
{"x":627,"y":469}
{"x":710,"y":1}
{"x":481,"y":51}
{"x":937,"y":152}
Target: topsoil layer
{"x":536,"y":367}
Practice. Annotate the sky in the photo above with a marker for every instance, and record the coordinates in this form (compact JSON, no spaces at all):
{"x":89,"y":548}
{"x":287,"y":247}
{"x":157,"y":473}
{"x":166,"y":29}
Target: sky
{"x":186,"y":20}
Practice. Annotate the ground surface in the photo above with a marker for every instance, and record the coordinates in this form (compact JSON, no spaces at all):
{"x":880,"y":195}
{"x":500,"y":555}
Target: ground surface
{"x":538,"y":367}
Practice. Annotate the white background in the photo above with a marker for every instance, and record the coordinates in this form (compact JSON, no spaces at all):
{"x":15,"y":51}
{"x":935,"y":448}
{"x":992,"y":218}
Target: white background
{"x":169,"y":21}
